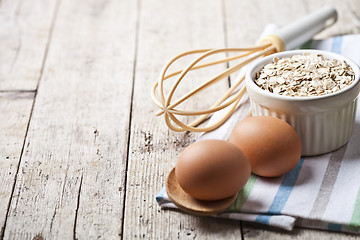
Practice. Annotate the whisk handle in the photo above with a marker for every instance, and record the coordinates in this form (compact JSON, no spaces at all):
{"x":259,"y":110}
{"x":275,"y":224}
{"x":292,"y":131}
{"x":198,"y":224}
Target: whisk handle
{"x":299,"y":32}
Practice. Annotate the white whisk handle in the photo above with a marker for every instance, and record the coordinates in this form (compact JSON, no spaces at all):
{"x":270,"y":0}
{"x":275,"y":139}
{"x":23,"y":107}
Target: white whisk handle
{"x":299,"y":32}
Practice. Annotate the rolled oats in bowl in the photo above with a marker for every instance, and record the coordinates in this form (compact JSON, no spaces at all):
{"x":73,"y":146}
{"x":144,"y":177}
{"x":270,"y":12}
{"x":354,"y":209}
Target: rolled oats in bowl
{"x":314,"y":91}
{"x":305,"y":75}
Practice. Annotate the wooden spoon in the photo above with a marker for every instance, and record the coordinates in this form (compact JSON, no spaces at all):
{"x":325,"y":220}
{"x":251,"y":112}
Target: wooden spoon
{"x":191,"y":205}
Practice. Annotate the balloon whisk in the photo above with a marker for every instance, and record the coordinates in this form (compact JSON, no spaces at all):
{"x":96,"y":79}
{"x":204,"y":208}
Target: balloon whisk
{"x":288,"y":37}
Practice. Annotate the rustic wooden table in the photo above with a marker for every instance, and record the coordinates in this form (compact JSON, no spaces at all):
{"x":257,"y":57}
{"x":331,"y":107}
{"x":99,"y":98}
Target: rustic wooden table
{"x":81,"y":153}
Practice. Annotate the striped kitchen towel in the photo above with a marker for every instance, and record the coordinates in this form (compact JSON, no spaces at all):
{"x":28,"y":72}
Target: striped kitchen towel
{"x":320,"y":192}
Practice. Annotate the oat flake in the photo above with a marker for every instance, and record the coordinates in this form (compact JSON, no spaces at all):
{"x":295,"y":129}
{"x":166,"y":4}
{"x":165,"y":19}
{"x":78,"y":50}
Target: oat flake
{"x":305,"y":75}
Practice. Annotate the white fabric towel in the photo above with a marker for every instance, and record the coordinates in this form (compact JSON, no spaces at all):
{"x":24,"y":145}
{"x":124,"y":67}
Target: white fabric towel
{"x":320,"y":192}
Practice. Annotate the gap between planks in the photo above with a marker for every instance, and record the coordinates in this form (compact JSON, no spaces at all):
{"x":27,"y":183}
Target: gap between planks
{"x":226,"y":42}
{"x":77,"y":207}
{"x":137,"y":24}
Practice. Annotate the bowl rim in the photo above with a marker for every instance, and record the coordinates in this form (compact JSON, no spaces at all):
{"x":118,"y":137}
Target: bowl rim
{"x":250,"y":83}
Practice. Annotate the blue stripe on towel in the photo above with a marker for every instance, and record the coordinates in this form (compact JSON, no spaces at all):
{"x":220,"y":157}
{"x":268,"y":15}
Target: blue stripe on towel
{"x":337,"y":44}
{"x":285,"y":189}
{"x":160,"y":196}
{"x":334,"y":227}
{"x":264,"y":219}
{"x":282,"y":194}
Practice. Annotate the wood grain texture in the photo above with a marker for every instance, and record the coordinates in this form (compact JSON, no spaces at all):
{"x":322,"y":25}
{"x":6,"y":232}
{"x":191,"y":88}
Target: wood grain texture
{"x":177,"y":26}
{"x":347,"y":22}
{"x":95,"y":156}
{"x":24,"y":36}
{"x":71,"y":177}
{"x":15,"y":111}
{"x":245,"y":29}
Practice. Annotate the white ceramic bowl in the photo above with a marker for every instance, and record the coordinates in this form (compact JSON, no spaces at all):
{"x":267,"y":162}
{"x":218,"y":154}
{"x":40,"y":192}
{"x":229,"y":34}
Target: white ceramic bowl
{"x":324,"y":123}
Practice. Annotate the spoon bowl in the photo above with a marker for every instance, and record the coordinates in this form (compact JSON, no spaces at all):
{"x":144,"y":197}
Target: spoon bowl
{"x":191,"y":205}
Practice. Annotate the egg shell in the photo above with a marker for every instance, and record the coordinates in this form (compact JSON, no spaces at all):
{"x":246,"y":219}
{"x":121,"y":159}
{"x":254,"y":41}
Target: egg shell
{"x":212,"y":170}
{"x":272,"y":146}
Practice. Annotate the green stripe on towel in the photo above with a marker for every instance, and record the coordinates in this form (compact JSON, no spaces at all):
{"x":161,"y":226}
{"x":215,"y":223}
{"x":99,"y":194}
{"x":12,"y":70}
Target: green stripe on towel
{"x":355,"y":219}
{"x":243,"y":195}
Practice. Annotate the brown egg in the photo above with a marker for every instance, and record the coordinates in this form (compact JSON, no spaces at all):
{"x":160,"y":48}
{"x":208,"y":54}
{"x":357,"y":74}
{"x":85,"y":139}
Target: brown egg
{"x":271,"y":145}
{"x":212,"y":170}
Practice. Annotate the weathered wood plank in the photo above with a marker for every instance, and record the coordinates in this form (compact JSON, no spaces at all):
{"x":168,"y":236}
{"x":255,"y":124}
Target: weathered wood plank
{"x":166,"y":29}
{"x":348,"y":21}
{"x":247,"y":19}
{"x":15,"y":108}
{"x":71,"y":177}
{"x":25,"y":29}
